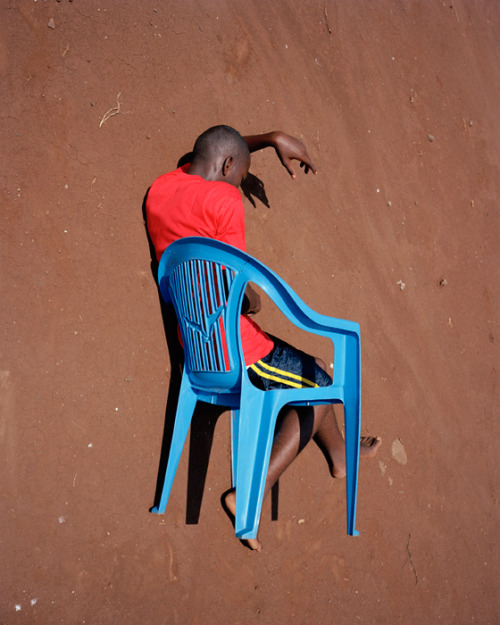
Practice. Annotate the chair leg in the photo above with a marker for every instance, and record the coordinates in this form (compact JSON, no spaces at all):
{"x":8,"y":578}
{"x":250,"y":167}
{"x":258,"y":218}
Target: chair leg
{"x":235,"y":423}
{"x":352,"y":424}
{"x":183,"y":417}
{"x":258,"y":414}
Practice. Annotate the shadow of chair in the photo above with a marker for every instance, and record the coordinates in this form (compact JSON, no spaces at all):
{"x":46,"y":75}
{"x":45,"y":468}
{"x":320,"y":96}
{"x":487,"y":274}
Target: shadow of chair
{"x":206,"y":280}
{"x":204,"y":419}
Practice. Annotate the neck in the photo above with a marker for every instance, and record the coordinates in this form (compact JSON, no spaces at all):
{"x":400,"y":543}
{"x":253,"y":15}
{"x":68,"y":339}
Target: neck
{"x":207,"y":171}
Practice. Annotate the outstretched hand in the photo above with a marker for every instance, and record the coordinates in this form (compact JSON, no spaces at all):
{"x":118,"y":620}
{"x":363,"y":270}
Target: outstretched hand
{"x":288,"y":149}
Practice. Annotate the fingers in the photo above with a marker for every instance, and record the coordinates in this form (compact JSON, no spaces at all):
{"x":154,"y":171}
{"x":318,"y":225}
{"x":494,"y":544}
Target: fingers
{"x":288,"y":165}
{"x":302,"y":156}
{"x":292,"y":149}
{"x":306,"y":165}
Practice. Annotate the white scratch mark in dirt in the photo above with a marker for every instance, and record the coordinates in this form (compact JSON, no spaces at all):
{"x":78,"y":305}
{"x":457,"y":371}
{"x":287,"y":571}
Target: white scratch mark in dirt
{"x":112,"y":111}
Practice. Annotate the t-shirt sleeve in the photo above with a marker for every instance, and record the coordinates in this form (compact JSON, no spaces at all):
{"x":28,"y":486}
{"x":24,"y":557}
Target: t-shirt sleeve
{"x":230,"y":221}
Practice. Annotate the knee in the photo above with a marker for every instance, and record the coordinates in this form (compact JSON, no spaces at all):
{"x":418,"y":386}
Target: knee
{"x":321,"y":364}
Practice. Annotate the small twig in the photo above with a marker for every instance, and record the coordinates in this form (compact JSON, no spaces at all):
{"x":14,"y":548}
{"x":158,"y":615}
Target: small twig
{"x":411,"y":560}
{"x":114,"y":111}
{"x":326,"y":21}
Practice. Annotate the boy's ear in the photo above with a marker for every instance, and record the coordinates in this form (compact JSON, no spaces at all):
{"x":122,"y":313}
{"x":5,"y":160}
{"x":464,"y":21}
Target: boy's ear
{"x":227,"y":165}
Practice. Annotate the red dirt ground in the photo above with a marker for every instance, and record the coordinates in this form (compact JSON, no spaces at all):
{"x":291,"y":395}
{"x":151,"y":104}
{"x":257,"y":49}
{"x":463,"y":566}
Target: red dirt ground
{"x":398,"y":102}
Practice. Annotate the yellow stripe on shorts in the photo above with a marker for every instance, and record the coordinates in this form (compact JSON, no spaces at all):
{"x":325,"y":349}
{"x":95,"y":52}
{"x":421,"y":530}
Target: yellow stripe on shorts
{"x":301,"y":382}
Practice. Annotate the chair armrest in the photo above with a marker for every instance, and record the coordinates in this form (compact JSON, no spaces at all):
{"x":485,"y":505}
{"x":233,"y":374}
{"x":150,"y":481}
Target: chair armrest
{"x":292,"y":306}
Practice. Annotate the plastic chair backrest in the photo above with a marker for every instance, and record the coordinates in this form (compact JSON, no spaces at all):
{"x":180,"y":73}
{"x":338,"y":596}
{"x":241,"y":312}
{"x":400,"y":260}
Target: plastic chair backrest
{"x":206,"y":286}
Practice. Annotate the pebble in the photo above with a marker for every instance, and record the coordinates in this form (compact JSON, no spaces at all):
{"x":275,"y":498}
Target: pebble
{"x":399,"y":452}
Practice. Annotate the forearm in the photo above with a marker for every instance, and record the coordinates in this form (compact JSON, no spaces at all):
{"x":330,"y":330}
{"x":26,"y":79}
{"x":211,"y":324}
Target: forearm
{"x":287,"y":148}
{"x":264,"y":140}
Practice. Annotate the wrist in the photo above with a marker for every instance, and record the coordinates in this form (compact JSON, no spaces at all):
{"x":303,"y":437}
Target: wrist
{"x":273,"y":138}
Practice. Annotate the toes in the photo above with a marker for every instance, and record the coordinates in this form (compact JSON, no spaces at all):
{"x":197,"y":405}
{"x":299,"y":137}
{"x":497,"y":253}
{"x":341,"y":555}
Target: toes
{"x":369,"y":446}
{"x":370,"y":441}
{"x":253,"y":544}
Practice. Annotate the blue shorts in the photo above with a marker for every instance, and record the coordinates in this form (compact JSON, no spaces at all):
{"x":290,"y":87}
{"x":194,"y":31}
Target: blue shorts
{"x":287,"y":367}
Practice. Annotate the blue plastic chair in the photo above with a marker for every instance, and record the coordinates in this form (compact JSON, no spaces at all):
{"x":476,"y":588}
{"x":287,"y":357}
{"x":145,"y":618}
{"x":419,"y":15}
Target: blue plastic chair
{"x":205,"y":280}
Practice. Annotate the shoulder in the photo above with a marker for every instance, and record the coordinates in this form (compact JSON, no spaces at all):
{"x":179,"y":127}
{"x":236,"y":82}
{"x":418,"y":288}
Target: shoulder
{"x":223,"y":190}
{"x":171,"y":175}
{"x":223,"y":199}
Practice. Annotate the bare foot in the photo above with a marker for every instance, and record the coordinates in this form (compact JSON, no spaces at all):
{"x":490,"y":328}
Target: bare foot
{"x":368,"y":447}
{"x":229,"y":503}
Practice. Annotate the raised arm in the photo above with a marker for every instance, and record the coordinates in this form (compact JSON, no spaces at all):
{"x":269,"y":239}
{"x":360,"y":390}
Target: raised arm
{"x":288,"y":148}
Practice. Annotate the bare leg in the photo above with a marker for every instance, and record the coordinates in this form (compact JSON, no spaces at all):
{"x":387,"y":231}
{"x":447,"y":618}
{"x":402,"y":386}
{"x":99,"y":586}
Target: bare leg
{"x":331,"y":441}
{"x":295,"y":428}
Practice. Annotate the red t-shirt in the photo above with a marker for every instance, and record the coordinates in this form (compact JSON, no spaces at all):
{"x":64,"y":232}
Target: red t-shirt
{"x":184,"y":205}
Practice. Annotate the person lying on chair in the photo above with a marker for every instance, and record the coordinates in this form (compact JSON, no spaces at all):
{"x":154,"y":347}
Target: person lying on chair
{"x":202,"y":198}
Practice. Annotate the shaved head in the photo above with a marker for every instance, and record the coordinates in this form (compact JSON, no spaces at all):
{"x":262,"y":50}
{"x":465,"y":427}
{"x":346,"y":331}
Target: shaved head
{"x":220,"y":141}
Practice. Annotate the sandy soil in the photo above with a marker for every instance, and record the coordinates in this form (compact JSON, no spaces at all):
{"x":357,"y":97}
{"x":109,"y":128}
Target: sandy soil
{"x":397,"y":101}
